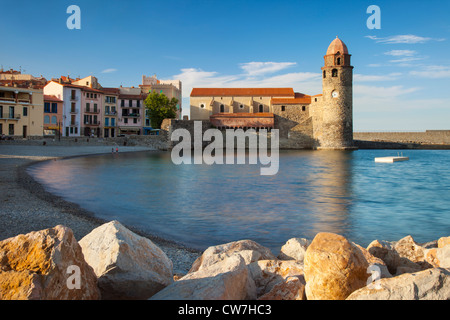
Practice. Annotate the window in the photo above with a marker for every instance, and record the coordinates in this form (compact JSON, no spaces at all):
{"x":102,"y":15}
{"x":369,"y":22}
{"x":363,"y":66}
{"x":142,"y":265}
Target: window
{"x":261,"y":108}
{"x":315,"y":99}
{"x":88,"y":107}
{"x":135,"y":120}
{"x":138,"y":103}
{"x":283,"y":108}
{"x":303,"y":108}
{"x":54,"y":120}
{"x":76,"y":130}
{"x":73,"y":95}
{"x":338,"y":61}
{"x":241,"y":106}
{"x":324,"y":74}
{"x":46,"y":106}
{"x":11,"y":112}
{"x":71,"y":130}
{"x":222,"y":108}
{"x":125,"y":120}
{"x":202,"y":106}
{"x":11,"y":129}
{"x":1,"y":128}
{"x":95,"y":107}
{"x":25,"y":111}
{"x":106,"y":122}
{"x":122,"y":103}
{"x":334,"y":73}
{"x":72,"y":109}
{"x":113,"y":122}
{"x":54,"y":107}
{"x":46,"y":119}
{"x":130,"y":103}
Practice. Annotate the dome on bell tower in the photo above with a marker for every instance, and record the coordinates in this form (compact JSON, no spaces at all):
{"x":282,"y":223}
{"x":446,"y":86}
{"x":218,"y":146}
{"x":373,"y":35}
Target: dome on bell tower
{"x":337,"y":46}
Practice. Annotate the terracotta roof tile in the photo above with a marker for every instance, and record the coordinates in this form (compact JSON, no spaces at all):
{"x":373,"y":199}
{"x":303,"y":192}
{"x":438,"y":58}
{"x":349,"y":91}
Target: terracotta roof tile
{"x":271,"y":92}
{"x":300,"y":98}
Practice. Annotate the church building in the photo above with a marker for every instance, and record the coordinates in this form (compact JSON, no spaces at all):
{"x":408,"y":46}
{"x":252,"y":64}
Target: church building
{"x":323,"y":121}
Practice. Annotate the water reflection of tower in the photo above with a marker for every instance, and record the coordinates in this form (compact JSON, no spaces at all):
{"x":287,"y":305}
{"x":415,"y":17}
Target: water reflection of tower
{"x":331,"y":195}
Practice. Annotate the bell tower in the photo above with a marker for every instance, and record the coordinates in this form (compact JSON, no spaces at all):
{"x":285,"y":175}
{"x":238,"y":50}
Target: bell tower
{"x":337,"y":98}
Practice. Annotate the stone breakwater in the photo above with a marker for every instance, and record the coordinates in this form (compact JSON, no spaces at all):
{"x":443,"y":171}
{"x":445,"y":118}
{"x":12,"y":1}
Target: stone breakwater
{"x":112,"y":262}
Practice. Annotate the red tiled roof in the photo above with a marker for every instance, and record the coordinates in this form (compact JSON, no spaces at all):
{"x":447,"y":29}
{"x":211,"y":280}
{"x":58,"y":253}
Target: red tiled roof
{"x":243,"y":115}
{"x":51,"y":98}
{"x":300,"y":98}
{"x":111,"y":90}
{"x":78,"y":87}
{"x":270,"y":92}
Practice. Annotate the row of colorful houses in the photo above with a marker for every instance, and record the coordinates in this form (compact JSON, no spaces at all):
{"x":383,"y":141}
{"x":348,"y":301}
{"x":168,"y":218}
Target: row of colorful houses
{"x":67,"y":107}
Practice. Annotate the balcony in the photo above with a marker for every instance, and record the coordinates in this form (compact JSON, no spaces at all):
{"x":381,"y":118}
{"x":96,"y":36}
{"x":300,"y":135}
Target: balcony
{"x":91,"y":123}
{"x":132,"y":115}
{"x":9,"y":116}
{"x":73,"y":110}
{"x":91,"y":110}
{"x":8,"y":100}
{"x":23,"y":101}
{"x":110,"y":113}
{"x":73,"y":124}
{"x":73,"y":98}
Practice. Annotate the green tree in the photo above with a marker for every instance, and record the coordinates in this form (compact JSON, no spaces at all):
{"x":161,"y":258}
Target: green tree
{"x":159,"y":107}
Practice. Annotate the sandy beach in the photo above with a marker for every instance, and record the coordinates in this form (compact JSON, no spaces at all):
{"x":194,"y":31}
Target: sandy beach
{"x":26,"y":206}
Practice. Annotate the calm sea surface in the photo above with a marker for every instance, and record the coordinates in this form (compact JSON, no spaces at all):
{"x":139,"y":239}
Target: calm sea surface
{"x":314,"y":191}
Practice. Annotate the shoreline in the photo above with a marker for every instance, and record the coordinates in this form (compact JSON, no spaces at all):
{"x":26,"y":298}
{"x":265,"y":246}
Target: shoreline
{"x":33,"y":208}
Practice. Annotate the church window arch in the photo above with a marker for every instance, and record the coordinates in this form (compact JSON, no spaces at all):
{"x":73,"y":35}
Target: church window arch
{"x":338,"y":61}
{"x":334,"y":73}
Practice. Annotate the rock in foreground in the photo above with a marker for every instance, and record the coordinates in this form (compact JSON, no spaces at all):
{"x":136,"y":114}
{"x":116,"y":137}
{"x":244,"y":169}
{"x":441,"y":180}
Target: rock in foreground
{"x":45,"y":265}
{"x":430,"y":284}
{"x":334,"y":268}
{"x":127,"y":265}
{"x":228,"y":279}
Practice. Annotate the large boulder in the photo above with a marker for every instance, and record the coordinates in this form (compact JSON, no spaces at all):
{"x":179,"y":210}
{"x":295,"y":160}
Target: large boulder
{"x":430,"y":284}
{"x":127,"y":265}
{"x":228,"y":279}
{"x":270,"y":273}
{"x":45,"y":265}
{"x":334,"y":268}
{"x":294,"y":249}
{"x":408,"y":256}
{"x":249,"y":250}
{"x":291,"y":288}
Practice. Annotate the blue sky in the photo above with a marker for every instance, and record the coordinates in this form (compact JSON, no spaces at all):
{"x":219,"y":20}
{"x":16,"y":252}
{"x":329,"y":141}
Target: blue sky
{"x":401,"y":75}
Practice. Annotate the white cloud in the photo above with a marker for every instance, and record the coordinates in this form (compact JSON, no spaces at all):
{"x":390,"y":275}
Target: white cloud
{"x":255,"y":76}
{"x":432,"y":72}
{"x":111,"y":70}
{"x":260,"y":68}
{"x":397,"y":53}
{"x":405,"y":39}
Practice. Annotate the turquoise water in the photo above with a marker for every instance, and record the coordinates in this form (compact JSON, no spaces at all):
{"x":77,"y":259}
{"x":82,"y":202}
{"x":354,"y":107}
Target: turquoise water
{"x":314,"y":191}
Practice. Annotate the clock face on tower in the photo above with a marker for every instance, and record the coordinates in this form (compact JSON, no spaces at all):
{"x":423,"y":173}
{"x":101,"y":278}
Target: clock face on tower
{"x":335,"y":94}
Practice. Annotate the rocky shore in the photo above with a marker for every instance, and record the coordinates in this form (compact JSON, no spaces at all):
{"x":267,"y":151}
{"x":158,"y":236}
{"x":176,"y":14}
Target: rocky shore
{"x":53,"y":249}
{"x":26,"y":206}
{"x":112,"y":262}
